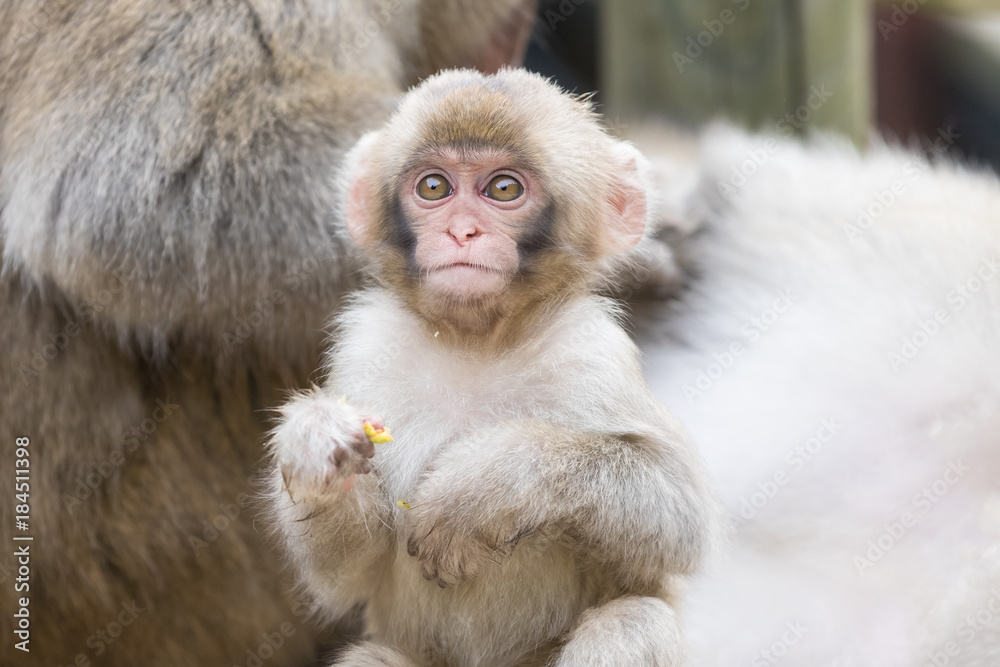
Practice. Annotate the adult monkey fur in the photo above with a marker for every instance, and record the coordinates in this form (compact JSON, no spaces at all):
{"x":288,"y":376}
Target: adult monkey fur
{"x":835,"y":357}
{"x":168,"y":261}
{"x":551,"y":503}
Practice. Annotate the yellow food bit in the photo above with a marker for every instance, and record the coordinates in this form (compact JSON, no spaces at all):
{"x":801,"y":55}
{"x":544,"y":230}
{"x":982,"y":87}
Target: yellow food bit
{"x":403,"y":503}
{"x":377,"y":436}
{"x":342,"y":399}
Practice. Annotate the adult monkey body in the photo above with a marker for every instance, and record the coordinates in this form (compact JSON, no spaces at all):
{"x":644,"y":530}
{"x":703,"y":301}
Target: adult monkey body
{"x":168,"y":260}
{"x":550,"y":502}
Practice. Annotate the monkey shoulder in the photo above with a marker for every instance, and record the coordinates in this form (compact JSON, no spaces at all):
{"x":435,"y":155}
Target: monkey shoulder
{"x":587,"y":336}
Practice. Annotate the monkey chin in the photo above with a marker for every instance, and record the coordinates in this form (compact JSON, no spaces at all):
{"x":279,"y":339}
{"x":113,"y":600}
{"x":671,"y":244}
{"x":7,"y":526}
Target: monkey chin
{"x":464,"y":283}
{"x":463,"y":301}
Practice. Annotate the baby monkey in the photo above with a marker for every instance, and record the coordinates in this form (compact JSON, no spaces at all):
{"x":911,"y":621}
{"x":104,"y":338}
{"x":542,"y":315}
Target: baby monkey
{"x":537,"y":505}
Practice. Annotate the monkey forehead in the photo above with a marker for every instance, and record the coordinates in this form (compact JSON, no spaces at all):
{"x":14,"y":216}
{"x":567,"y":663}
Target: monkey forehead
{"x":475,"y":118}
{"x":515,"y":112}
{"x":468,"y":155}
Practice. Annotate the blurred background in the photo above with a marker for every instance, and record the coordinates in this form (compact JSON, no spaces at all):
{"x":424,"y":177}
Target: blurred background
{"x":915,"y":70}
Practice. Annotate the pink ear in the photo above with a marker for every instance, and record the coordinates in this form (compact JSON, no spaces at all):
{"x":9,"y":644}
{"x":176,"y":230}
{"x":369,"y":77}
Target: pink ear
{"x":627,"y":202}
{"x":357,"y":212}
{"x":358,"y":208}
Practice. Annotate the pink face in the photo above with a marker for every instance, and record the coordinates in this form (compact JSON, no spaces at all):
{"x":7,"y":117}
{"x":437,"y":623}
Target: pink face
{"x":467,"y":217}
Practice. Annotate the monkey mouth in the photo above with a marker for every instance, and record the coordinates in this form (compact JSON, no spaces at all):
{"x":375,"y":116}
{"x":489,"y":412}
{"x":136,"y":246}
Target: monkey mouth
{"x":464,"y":267}
{"x":465,"y":280}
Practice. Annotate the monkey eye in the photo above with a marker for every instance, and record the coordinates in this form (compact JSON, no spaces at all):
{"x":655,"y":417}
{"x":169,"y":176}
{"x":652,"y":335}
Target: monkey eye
{"x":433,"y":187}
{"x":504,"y":188}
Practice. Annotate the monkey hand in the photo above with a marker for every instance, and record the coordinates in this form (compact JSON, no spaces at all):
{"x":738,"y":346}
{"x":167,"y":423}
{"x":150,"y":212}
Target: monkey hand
{"x":461,"y":521}
{"x":321,"y":444}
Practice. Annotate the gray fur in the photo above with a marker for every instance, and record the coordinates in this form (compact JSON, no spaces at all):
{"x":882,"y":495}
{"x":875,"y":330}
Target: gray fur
{"x":167,"y":235}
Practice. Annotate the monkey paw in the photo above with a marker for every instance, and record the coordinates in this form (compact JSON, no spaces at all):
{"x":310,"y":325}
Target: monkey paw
{"x":321,"y":444}
{"x":449,"y":550}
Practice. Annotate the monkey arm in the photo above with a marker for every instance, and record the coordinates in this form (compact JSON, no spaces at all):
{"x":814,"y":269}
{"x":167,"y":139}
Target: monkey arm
{"x":335,"y":541}
{"x":632,"y":499}
{"x":326,"y":505}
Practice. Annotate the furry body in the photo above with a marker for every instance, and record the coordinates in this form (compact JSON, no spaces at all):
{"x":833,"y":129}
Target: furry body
{"x":455,"y":416}
{"x":828,"y":429}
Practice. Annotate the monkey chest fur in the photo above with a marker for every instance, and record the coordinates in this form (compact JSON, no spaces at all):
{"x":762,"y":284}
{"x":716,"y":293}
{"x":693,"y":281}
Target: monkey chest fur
{"x":436,"y":402}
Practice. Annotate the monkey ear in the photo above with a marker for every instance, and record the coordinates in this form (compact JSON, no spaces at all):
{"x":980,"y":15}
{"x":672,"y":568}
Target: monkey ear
{"x":627,"y":199}
{"x":357,"y":179}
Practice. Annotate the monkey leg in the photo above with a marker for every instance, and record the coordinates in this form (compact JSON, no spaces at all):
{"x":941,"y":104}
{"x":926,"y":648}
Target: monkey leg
{"x":626,"y":632}
{"x":370,"y":654}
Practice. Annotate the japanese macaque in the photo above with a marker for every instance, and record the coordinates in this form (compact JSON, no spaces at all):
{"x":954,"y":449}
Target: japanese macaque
{"x":537,"y":505}
{"x":836,"y":357}
{"x":169,"y":258}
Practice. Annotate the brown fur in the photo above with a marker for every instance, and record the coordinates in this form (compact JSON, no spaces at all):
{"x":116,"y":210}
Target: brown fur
{"x":189,"y":147}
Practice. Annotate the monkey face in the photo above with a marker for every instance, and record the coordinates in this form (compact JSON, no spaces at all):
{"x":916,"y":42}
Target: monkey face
{"x":485,"y":197}
{"x":469,"y":216}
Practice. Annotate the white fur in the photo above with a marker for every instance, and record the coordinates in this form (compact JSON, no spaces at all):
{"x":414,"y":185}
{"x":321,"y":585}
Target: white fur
{"x":497,"y":443}
{"x":827,"y":358}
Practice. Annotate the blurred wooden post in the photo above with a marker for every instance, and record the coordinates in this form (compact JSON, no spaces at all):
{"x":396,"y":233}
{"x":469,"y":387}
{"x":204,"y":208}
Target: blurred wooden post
{"x":753,"y":61}
{"x":838,"y":52}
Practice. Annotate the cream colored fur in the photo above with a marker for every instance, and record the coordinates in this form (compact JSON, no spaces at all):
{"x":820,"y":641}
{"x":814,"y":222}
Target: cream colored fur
{"x":538,"y":510}
{"x":892,"y":428}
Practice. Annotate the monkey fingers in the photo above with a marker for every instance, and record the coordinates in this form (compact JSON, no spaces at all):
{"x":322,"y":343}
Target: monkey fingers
{"x":450,"y":553}
{"x":321,"y":446}
{"x":449,"y":557}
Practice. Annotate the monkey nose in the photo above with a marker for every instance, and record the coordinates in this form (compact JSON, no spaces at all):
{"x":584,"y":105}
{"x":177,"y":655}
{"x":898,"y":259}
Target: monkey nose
{"x":463,"y":232}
